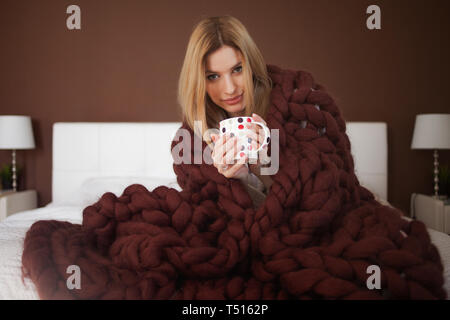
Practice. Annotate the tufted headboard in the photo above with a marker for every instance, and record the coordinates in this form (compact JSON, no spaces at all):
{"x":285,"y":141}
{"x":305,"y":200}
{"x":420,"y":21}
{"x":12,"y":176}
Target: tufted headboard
{"x":83,"y":150}
{"x":370,"y":154}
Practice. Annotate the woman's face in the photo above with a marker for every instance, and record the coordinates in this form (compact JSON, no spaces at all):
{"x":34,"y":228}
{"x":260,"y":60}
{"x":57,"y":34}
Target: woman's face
{"x":225,"y":80}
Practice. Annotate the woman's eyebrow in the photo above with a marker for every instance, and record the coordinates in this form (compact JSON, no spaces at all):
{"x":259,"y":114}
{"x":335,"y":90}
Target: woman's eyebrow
{"x":236,"y":65}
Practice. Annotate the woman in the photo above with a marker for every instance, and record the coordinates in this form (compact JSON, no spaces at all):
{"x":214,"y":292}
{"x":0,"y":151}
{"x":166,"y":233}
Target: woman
{"x":224,"y":75}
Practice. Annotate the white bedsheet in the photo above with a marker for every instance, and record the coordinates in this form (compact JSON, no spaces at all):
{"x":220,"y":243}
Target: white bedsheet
{"x":12,"y":234}
{"x":13,"y":229}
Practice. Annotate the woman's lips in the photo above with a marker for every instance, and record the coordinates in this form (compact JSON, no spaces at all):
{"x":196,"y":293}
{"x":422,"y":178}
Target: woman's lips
{"x":234,"y":101}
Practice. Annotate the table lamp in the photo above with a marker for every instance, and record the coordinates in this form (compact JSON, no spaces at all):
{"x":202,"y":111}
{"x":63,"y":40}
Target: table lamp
{"x":16,"y":133}
{"x":432,"y":131}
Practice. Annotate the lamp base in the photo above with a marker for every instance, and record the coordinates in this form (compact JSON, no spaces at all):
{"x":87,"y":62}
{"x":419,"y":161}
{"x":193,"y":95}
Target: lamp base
{"x":436,"y":174}
{"x":14,"y":175}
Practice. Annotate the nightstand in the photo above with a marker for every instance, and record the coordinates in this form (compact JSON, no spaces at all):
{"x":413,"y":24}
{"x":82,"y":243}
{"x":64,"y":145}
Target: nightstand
{"x":13,"y":202}
{"x":435,"y":213}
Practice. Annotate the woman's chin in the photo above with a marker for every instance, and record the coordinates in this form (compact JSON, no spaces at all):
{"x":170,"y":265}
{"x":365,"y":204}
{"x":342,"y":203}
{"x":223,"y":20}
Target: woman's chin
{"x":235,"y":111}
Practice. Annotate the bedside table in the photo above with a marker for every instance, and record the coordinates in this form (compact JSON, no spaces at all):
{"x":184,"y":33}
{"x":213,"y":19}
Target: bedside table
{"x":435,"y":213}
{"x":13,"y":202}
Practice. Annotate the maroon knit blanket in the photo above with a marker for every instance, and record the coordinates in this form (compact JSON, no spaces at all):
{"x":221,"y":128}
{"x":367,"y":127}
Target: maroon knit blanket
{"x":315,"y":236}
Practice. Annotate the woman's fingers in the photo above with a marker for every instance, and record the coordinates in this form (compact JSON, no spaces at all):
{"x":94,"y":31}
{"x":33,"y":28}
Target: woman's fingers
{"x":218,"y":147}
{"x":222,"y":148}
{"x":231,"y":151}
{"x":233,"y":170}
{"x":218,"y":142}
{"x":257,"y":135}
{"x":259,"y":130}
{"x":224,"y":153}
{"x":253,"y":135}
{"x":258,"y":118}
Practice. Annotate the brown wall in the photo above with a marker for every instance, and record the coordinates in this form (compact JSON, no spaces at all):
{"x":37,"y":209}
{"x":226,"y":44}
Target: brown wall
{"x":124,"y":63}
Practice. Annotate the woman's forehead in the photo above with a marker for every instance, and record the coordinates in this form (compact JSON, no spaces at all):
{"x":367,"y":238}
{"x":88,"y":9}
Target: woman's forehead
{"x":223,"y":60}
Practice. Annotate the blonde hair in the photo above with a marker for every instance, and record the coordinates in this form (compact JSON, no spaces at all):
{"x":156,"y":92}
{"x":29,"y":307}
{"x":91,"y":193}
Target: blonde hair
{"x":209,"y":35}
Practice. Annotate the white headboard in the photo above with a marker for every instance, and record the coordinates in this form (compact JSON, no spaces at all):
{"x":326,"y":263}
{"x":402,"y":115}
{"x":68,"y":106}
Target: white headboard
{"x":370,"y":153}
{"x":83,"y":150}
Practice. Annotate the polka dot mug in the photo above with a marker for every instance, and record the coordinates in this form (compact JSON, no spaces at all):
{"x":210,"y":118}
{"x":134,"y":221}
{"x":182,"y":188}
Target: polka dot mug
{"x":240,"y":127}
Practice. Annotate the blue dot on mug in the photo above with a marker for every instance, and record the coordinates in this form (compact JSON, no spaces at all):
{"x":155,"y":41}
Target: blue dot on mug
{"x":240,"y":120}
{"x":232,"y":134}
{"x":224,"y":129}
{"x":268,"y":139}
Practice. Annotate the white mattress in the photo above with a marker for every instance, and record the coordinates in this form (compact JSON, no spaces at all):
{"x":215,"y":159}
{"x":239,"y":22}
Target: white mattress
{"x":13,"y":229}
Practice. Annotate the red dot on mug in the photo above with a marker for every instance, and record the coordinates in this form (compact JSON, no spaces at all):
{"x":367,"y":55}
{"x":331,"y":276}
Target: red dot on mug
{"x":242,"y":154}
{"x":249,"y":119}
{"x":241,"y":126}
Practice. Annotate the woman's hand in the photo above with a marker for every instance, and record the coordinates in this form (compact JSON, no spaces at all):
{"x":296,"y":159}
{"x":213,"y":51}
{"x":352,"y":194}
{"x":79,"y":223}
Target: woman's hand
{"x":257,"y":136}
{"x":224,"y":152}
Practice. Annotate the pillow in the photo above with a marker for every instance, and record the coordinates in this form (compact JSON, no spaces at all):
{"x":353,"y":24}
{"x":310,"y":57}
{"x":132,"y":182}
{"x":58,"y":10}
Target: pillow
{"x":92,"y":189}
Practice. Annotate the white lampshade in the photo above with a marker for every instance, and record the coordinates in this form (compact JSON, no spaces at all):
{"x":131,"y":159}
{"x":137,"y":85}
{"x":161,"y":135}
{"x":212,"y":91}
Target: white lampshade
{"x":16,"y":133}
{"x":431,"y":131}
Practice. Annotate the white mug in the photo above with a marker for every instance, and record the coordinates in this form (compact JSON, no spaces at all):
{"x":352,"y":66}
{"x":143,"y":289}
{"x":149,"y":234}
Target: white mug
{"x":240,"y":127}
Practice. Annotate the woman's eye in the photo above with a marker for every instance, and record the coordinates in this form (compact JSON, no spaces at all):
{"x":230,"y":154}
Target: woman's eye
{"x":213,"y":76}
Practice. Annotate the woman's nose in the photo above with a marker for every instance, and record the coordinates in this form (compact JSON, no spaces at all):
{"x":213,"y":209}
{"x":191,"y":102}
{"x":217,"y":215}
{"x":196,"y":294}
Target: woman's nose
{"x":230,"y":87}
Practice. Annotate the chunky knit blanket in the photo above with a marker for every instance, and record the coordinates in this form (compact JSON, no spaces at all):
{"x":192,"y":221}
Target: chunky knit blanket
{"x":317,"y":235}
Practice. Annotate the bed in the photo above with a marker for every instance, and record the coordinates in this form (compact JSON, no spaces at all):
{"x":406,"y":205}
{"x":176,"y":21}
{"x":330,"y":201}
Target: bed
{"x":90,"y":159}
